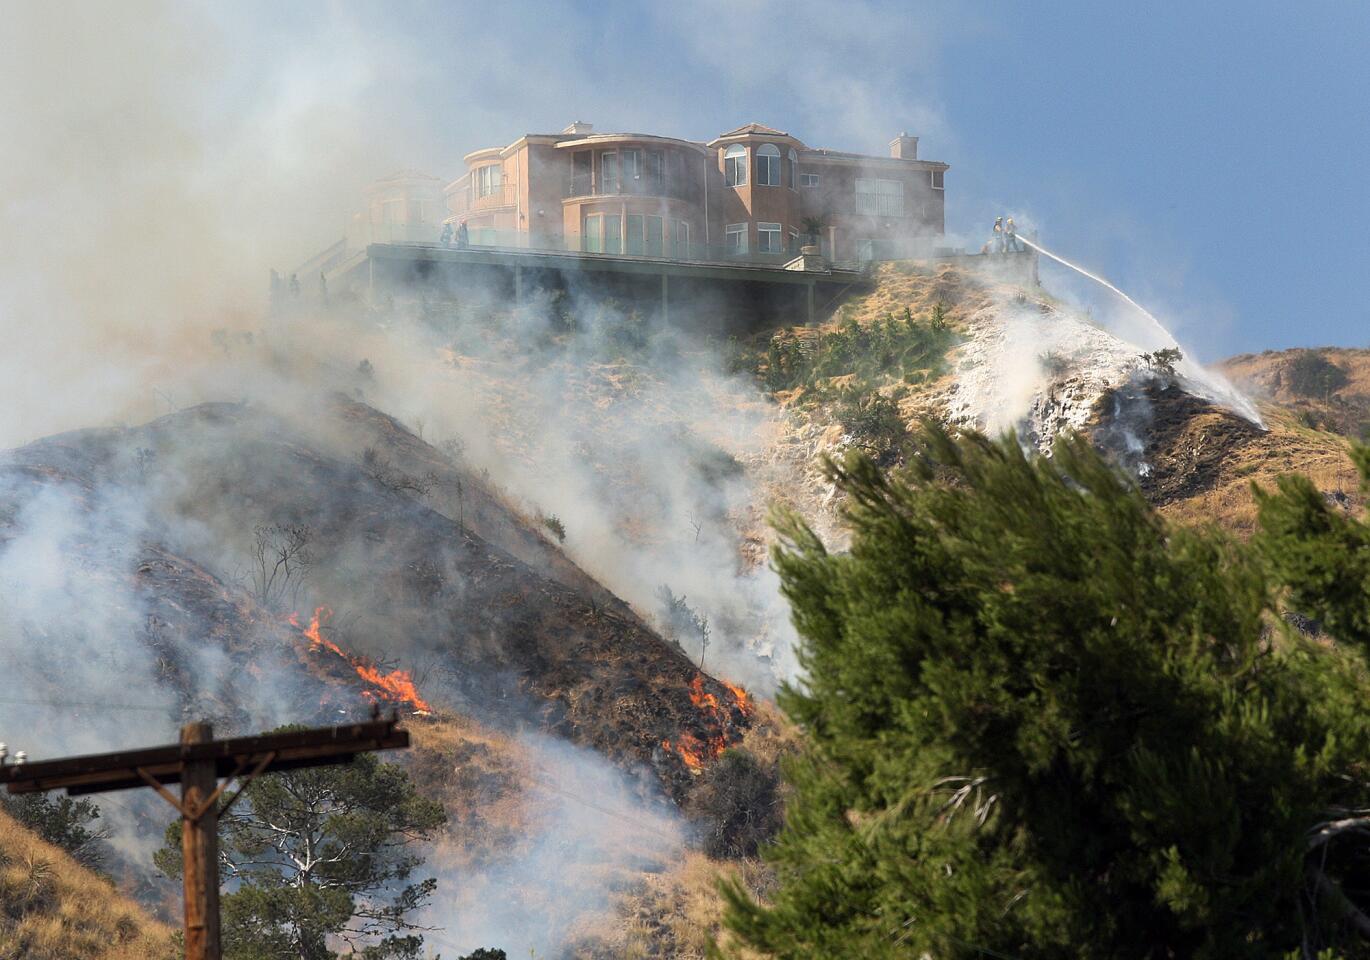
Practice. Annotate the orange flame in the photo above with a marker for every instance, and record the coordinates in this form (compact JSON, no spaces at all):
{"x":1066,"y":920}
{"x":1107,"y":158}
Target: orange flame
{"x":695,"y":751}
{"x":397,"y":686}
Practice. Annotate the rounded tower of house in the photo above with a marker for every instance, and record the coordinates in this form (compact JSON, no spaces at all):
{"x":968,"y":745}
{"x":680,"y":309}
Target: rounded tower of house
{"x":758,"y":210}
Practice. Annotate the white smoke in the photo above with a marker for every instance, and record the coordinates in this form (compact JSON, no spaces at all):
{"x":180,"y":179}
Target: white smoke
{"x":590,"y":833}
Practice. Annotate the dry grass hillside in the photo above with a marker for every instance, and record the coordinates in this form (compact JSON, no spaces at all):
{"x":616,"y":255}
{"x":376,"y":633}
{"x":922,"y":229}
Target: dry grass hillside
{"x":1197,"y":460}
{"x":1326,"y":389}
{"x":52,"y":908}
{"x":432,"y":567}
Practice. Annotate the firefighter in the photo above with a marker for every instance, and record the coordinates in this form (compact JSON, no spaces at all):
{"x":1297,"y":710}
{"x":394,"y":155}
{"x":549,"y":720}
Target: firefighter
{"x":446,"y":238}
{"x":462,"y":236}
{"x":1011,"y":237}
{"x":997,"y":242}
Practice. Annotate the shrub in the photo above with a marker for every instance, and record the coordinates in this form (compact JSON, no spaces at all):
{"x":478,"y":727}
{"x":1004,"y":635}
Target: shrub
{"x":558,"y":529}
{"x":61,"y":821}
{"x":870,"y":356}
{"x":737,"y":804}
{"x":1311,"y":374}
{"x":875,"y":425}
{"x":1163,"y":361}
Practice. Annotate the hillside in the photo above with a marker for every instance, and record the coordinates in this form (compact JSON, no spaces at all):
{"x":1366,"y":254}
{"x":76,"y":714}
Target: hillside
{"x":141,"y":553}
{"x":562,"y":563}
{"x":52,"y":908}
{"x":1019,"y":359}
{"x":403,"y":580}
{"x":1326,"y":389}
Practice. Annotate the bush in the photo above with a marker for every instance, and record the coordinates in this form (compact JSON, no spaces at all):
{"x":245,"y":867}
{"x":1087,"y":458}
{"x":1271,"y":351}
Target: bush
{"x":558,"y":529}
{"x":1162,"y":362}
{"x":737,"y":804}
{"x":884,"y":350}
{"x":1311,"y":374}
{"x":875,"y":425}
{"x":61,"y":821}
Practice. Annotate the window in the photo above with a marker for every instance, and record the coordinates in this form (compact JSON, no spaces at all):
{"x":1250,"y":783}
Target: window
{"x":635,"y":242}
{"x":736,"y":244}
{"x":654,"y":236}
{"x":768,"y":165}
{"x":880,"y":198}
{"x":680,"y":248}
{"x":613,"y":236}
{"x":391,"y":210}
{"x":808,"y":179}
{"x":768,"y":238}
{"x":735,"y":165}
{"x":487,"y":180}
{"x":653,"y":173}
{"x":632,"y":165}
{"x":938,"y":181}
{"x":608,"y":173}
{"x":590,"y":236}
{"x":793,"y":180}
{"x":582,"y":162}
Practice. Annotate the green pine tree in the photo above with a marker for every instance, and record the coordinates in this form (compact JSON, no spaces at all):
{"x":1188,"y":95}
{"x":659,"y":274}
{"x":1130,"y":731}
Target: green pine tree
{"x":1044,"y":723}
{"x":319,"y":856}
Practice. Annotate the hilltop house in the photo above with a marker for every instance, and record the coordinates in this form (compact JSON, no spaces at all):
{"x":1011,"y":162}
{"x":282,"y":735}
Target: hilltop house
{"x":753,"y":193}
{"x":750,"y":191}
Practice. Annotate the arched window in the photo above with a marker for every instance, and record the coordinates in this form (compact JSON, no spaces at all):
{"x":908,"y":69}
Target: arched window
{"x":768,"y":165}
{"x":794,"y":169}
{"x":735,"y":165}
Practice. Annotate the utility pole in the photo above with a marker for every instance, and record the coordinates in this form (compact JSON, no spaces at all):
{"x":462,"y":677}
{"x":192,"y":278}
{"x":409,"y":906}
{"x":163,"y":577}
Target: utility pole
{"x":197,"y":763}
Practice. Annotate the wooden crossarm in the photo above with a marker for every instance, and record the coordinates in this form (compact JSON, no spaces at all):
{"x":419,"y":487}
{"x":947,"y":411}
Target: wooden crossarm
{"x":98,"y":773}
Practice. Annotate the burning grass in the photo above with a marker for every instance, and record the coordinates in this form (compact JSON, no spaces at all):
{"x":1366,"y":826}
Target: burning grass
{"x":51,"y":908}
{"x":723,"y":722}
{"x":391,"y":687}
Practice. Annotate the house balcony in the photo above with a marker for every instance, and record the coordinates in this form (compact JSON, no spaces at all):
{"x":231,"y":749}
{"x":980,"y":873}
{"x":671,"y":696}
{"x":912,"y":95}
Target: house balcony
{"x":578,"y":188}
{"x":495,"y":198}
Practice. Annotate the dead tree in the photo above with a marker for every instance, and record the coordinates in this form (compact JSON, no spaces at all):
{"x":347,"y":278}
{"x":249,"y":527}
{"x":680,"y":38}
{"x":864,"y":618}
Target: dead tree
{"x":281,"y":560}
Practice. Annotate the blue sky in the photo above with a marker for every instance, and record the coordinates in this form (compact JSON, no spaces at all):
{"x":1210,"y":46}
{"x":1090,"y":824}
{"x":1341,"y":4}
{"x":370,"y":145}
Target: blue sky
{"x":1210,"y":158}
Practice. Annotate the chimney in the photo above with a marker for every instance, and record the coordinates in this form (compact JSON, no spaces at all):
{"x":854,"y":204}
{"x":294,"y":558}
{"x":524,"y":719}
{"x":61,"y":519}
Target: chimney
{"x":579,"y":128}
{"x":904,"y":147}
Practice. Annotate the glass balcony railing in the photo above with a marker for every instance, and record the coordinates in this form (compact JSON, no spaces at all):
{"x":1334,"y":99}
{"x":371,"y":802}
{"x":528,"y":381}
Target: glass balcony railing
{"x":645,"y":186}
{"x":484,"y":238}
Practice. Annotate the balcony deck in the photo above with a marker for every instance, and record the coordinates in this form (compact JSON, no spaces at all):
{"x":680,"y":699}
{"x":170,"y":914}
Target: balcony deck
{"x":433,"y":268}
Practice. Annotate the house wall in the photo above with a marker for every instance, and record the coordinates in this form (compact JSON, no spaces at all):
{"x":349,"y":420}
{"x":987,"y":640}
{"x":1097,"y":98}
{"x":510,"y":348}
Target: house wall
{"x":540,"y":205}
{"x":834,"y":202}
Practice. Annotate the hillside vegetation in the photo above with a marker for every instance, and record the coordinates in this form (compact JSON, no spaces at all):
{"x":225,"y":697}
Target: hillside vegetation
{"x":939,"y":343}
{"x":514,"y":616}
{"x":52,"y":908}
{"x":1325,"y":389}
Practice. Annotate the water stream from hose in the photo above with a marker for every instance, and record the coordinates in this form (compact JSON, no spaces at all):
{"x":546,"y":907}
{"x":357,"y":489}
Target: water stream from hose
{"x":1217,"y":387}
{"x":1098,"y":279}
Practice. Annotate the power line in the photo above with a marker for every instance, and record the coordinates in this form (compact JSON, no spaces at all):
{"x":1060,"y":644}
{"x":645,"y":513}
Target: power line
{"x":76,"y":703}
